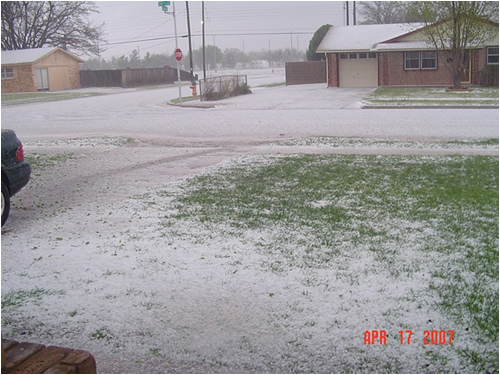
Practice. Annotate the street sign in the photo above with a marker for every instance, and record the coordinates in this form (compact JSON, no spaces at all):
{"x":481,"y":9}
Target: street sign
{"x":178,"y":54}
{"x":164,"y":5}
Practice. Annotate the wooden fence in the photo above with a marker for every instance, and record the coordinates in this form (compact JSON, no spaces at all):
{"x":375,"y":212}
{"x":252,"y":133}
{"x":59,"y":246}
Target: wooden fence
{"x":304,"y":72}
{"x":131,"y":77}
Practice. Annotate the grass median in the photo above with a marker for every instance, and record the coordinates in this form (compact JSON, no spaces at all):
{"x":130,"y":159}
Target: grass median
{"x":432,"y":96}
{"x":36,"y":97}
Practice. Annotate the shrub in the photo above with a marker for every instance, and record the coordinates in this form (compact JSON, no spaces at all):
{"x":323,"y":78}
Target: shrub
{"x":224,"y":87}
{"x":488,"y":76}
{"x":242,"y":89}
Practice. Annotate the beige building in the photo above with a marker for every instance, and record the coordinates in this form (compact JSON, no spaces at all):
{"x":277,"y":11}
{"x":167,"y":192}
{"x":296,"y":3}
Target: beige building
{"x":39,"y":69}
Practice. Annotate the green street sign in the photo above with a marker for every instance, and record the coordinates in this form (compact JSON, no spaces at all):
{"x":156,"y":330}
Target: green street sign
{"x":164,"y":5}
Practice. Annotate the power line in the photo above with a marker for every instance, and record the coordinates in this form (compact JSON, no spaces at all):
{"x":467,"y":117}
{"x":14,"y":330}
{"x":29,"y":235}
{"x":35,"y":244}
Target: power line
{"x":215,"y":34}
{"x":253,"y":21}
{"x":140,"y":40}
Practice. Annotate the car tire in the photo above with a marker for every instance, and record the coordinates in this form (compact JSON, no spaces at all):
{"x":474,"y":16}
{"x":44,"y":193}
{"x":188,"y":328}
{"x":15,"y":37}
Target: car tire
{"x":5,"y":203}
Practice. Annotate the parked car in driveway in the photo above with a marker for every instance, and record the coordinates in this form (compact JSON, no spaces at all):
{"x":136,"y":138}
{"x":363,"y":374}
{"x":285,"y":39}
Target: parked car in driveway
{"x":15,"y":171}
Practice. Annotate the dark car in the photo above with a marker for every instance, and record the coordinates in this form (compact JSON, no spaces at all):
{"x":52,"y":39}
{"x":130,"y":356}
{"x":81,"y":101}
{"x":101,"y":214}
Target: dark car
{"x":15,"y":171}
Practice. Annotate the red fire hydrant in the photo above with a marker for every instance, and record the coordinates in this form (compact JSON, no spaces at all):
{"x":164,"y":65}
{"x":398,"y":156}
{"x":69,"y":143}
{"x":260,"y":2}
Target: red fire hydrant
{"x":193,"y":88}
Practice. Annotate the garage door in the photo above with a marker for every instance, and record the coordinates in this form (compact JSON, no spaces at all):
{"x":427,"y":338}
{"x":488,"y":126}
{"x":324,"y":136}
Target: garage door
{"x":59,"y":78}
{"x":358,"y":70}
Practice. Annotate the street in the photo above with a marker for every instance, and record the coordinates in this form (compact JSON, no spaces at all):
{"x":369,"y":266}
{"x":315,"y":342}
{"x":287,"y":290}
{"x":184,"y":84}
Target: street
{"x":268,"y":114}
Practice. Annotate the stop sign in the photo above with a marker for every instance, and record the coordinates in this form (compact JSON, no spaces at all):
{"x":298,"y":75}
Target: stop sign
{"x":178,"y":54}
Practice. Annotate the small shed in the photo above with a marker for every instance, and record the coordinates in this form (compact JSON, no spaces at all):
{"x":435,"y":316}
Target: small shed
{"x":39,"y":69}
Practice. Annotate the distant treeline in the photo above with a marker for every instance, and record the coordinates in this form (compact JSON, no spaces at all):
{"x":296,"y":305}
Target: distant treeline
{"x":214,"y":57}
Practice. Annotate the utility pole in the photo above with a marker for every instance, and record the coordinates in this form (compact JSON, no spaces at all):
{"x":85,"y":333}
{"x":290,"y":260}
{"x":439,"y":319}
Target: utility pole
{"x":178,"y":62}
{"x":270,"y":53}
{"x":189,"y":40}
{"x":354,"y":13}
{"x":347,"y":12}
{"x":203,"y":40}
{"x":215,"y":55}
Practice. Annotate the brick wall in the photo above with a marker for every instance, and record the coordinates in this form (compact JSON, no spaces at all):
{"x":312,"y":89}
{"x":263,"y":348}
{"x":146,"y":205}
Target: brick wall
{"x":392,"y":73}
{"x":300,"y":73}
{"x":383,"y":70}
{"x":333,"y":70}
{"x":74,"y":76}
{"x":23,"y":81}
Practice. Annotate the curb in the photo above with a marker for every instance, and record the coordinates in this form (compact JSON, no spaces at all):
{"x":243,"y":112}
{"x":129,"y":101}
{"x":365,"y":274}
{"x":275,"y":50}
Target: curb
{"x":429,"y":107}
{"x":193,"y":103}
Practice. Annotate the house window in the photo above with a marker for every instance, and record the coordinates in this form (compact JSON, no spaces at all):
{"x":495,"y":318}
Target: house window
{"x":353,"y":55}
{"x":343,"y":56}
{"x":7,"y":73}
{"x":372,"y":55}
{"x":420,"y":60}
{"x":412,"y":60}
{"x":362,"y":55}
{"x":429,"y":60}
{"x":492,"y":55}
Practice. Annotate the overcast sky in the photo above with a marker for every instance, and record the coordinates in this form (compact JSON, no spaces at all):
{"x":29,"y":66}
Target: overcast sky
{"x":246,"y":25}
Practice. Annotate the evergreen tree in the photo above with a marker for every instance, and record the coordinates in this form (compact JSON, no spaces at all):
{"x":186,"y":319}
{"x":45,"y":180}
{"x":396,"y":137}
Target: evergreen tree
{"x":318,"y":36}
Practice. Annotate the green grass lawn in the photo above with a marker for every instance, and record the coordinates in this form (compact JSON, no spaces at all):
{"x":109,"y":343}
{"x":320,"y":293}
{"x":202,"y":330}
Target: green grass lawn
{"x":34,"y":97}
{"x":352,"y":142}
{"x":405,"y":96}
{"x":185,"y":99}
{"x":427,"y":224}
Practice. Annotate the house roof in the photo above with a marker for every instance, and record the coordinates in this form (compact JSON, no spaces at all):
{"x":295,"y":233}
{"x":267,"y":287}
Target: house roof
{"x":415,"y":45}
{"x":362,"y":37}
{"x":384,"y":37}
{"x":28,"y":56}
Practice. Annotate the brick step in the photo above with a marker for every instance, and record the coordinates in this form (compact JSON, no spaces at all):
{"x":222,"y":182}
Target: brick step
{"x":29,"y":358}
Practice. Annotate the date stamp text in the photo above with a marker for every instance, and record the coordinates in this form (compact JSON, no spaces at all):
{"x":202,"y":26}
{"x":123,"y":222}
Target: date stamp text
{"x":406,"y":337}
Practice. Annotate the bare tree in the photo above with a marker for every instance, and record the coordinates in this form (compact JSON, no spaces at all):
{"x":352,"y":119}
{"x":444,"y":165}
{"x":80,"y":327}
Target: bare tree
{"x":35,"y":24}
{"x":457,"y":27}
{"x":382,"y":12}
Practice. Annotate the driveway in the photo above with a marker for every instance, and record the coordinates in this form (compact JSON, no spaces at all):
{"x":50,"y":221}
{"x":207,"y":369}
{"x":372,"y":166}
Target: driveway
{"x":80,"y":232}
{"x":301,"y":97}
